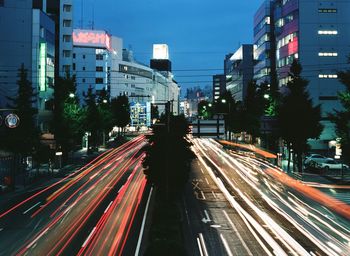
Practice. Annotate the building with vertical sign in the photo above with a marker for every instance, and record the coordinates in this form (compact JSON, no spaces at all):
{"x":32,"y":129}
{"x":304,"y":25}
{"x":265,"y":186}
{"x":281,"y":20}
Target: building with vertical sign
{"x":30,"y":40}
{"x":95,"y":54}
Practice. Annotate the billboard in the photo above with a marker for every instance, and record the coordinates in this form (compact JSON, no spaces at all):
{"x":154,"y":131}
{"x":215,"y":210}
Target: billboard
{"x":160,"y":52}
{"x":91,"y":38}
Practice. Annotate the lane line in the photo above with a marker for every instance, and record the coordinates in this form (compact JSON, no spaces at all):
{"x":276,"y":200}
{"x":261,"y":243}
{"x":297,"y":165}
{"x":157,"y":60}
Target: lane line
{"x":207,"y":181}
{"x":227,"y":248}
{"x":202,"y":171}
{"x":203,"y":196}
{"x":214,"y":194}
{"x":25,"y":212}
{"x":137,"y":252}
{"x":238,"y":234}
{"x":205,"y":251}
{"x":200,"y":247}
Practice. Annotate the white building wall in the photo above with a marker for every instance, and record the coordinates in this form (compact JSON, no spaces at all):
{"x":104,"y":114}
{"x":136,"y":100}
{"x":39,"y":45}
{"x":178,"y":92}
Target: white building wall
{"x":323,"y":90}
{"x":65,"y":32}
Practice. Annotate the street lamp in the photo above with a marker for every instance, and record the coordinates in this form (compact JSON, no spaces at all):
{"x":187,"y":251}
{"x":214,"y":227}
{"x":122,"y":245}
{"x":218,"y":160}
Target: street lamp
{"x":71,"y":95}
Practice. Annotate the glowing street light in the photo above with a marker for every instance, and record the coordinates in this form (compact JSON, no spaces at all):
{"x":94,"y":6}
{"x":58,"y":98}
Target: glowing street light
{"x":71,"y":95}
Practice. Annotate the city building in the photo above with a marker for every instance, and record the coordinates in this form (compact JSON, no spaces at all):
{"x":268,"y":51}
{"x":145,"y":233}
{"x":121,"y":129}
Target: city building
{"x":240,"y":71}
{"x":219,"y":86}
{"x":61,"y":12}
{"x":317,"y":34}
{"x":95,"y":54}
{"x":30,"y":40}
{"x":264,"y":41}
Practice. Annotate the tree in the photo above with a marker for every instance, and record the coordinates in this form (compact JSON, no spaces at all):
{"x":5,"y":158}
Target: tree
{"x":105,"y":113}
{"x":298,"y":119}
{"x":168,"y":156}
{"x":253,"y":109}
{"x":25,"y":137}
{"x":227,"y":105}
{"x":154,"y":112}
{"x":92,"y":120}
{"x":204,"y":109}
{"x":121,"y":112}
{"x":68,"y":115}
{"x":341,"y":118}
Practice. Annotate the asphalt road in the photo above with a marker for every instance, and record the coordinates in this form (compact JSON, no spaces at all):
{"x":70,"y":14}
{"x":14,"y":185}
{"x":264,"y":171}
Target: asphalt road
{"x":284,"y":216}
{"x":73,"y":215}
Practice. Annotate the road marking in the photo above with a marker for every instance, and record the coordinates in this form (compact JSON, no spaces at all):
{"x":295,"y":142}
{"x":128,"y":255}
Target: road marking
{"x":215,"y":226}
{"x":202,"y":171}
{"x":25,"y":212}
{"x":227,"y":248}
{"x":108,"y":206}
{"x":137,"y":251}
{"x":206,"y":219}
{"x":199,"y":247}
{"x":238,"y":234}
{"x":195,"y":185}
{"x":203,"y":196}
{"x":88,"y":238}
{"x":214,"y":194}
{"x":202,"y":242}
{"x":207,"y":181}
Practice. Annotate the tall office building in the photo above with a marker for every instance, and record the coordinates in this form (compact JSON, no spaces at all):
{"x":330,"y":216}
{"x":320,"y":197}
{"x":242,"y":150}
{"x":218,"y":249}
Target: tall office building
{"x":219,"y":86}
{"x":28,"y":39}
{"x":264,"y":41}
{"x":317,"y":34}
{"x":240,"y":71}
{"x":61,"y":12}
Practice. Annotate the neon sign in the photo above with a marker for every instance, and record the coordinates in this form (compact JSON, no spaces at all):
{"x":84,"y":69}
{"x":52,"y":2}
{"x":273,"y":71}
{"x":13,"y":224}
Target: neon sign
{"x":92,"y":38}
{"x":42,"y":78}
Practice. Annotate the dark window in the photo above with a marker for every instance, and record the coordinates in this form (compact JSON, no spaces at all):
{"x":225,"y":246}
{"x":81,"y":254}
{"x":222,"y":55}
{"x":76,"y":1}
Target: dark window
{"x":99,"y":69}
{"x":2,"y":2}
{"x":84,"y":56}
{"x":83,"y":80}
{"x":99,"y":57}
{"x":83,"y":68}
{"x":73,"y":66}
{"x":73,"y":55}
{"x":99,"y":80}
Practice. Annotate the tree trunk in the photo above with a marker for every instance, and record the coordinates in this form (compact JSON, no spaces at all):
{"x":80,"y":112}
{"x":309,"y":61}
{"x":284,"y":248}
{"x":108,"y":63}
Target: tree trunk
{"x":289,"y":155}
{"x":300,"y":162}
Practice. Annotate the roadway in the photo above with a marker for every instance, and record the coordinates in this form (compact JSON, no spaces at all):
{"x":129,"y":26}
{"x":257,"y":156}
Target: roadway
{"x":278,"y":214}
{"x":72,"y":215}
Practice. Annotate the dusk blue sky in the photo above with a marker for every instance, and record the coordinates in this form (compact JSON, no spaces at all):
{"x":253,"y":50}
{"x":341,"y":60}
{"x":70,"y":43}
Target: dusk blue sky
{"x":199,"y":32}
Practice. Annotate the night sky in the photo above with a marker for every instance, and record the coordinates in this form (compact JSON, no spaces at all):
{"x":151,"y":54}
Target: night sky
{"x":199,"y":32}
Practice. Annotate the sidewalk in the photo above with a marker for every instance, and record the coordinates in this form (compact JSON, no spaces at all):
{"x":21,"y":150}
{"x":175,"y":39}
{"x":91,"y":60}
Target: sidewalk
{"x":44,"y":174}
{"x":327,"y":179}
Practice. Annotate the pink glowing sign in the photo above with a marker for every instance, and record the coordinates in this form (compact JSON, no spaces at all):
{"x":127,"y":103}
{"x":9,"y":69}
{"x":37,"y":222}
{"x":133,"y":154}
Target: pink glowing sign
{"x":91,"y":38}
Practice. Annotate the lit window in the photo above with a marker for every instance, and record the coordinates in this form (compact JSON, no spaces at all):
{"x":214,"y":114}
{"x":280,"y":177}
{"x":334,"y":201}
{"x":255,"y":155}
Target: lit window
{"x":99,"y":80}
{"x":66,"y":53}
{"x":327,"y":32}
{"x":331,"y":76}
{"x":328,"y":54}
{"x":67,"y":7}
{"x":67,"y":38}
{"x":99,"y":69}
{"x":325,"y":10}
{"x":67,"y":23}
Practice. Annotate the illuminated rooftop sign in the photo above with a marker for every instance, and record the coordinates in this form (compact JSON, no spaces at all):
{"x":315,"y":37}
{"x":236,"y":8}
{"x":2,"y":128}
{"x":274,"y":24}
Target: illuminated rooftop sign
{"x":160,"y":52}
{"x":91,"y":38}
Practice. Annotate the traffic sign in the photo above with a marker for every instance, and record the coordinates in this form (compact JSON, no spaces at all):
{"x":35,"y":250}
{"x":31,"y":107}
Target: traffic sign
{"x":12,"y":120}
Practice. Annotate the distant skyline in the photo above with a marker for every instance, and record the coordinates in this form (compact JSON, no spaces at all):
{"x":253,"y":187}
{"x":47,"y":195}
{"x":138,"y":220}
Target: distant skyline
{"x":199,"y":32}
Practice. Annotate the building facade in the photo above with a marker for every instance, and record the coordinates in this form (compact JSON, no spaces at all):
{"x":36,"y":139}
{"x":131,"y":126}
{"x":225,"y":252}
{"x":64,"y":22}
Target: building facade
{"x":61,"y":12}
{"x":30,"y":40}
{"x":240,"y":71}
{"x":219,"y":86}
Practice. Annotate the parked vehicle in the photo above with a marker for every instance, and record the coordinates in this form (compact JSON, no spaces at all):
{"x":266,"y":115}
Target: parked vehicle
{"x":331,"y":164}
{"x":316,"y":158}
